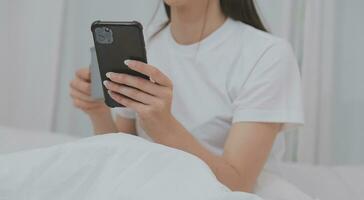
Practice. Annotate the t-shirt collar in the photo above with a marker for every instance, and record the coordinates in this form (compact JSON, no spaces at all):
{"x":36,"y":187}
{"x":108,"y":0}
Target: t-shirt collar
{"x":214,"y":39}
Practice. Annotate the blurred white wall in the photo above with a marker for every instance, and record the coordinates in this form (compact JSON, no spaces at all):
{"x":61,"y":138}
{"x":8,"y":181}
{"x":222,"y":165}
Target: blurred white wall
{"x":30,"y":32}
{"x":3,"y":63}
{"x":349,"y":83}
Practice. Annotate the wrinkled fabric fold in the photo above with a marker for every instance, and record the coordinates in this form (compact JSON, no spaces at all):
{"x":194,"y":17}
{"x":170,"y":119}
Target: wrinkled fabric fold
{"x":111,"y":166}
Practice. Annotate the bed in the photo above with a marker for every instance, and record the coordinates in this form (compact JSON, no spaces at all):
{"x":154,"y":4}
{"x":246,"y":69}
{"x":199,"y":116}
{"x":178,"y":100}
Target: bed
{"x":319,"y":182}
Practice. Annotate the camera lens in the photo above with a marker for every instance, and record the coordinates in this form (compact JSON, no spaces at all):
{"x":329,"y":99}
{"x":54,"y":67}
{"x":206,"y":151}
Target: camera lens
{"x":101,"y":37}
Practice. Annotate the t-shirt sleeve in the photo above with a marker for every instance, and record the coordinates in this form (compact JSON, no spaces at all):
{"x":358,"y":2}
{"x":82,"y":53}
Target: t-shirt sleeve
{"x":124,"y":112}
{"x":272,"y":91}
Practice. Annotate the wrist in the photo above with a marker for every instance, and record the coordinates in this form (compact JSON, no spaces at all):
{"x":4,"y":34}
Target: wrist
{"x":103,"y":123}
{"x":105,"y":114}
{"x":177,"y":136}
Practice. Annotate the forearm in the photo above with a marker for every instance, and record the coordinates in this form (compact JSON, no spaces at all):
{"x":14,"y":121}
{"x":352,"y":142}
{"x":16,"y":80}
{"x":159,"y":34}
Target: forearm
{"x":225,"y":173}
{"x":103,"y":123}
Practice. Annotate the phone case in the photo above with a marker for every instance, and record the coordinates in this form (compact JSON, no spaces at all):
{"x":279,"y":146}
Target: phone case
{"x":116,"y":42}
{"x":96,"y":83}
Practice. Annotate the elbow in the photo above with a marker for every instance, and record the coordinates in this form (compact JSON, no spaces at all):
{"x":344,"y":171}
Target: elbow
{"x":240,"y":184}
{"x":234,"y":179}
{"x":242,"y":187}
{"x":249,"y":188}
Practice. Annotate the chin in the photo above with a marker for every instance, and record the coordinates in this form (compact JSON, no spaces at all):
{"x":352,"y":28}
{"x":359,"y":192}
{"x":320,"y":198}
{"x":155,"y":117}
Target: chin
{"x":177,"y":2}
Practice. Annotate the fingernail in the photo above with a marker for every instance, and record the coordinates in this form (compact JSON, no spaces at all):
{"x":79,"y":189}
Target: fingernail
{"x":105,"y":83}
{"x":126,"y":62}
{"x":108,"y":74}
{"x":151,"y":80}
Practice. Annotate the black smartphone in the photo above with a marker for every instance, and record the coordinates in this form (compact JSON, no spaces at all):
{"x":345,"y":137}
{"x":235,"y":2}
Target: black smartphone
{"x":116,"y":42}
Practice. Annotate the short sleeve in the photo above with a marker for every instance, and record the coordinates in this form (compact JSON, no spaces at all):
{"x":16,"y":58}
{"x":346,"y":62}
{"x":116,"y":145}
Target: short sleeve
{"x":124,"y":112}
{"x":272,"y":91}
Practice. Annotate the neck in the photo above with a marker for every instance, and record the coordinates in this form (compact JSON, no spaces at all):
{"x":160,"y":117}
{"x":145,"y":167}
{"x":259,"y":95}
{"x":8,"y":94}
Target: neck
{"x":192,"y":23}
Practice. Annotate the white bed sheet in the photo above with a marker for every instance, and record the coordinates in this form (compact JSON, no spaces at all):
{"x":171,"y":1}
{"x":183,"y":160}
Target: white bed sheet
{"x":325,"y":182}
{"x":12,"y":139}
{"x":112,"y":166}
{"x":321,"y":182}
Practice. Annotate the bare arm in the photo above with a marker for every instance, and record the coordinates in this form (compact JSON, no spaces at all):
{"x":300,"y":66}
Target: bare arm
{"x":246,"y":151}
{"x":105,"y":124}
{"x":125,"y":125}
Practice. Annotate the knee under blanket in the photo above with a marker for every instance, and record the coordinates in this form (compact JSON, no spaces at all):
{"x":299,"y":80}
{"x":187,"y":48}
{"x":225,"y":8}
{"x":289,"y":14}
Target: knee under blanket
{"x":111,"y":166}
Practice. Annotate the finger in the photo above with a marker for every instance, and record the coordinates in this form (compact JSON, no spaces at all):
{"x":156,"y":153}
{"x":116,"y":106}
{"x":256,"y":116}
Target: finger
{"x":79,"y":95}
{"x":83,"y":104}
{"x":130,"y":92}
{"x":136,"y":82}
{"x":84,"y":74}
{"x":137,"y":106}
{"x":81,"y":85}
{"x":149,"y":70}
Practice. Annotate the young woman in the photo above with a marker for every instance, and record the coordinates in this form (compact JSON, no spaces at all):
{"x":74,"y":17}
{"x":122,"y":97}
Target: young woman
{"x":222,"y":89}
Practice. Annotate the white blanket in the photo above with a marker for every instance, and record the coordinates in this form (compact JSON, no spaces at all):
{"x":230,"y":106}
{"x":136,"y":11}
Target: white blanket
{"x":112,"y":166}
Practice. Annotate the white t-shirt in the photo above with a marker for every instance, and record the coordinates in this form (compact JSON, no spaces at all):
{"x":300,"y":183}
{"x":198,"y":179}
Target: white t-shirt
{"x":236,"y":74}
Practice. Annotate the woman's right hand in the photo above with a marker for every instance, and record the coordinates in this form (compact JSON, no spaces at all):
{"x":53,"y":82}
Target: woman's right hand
{"x":80,"y":91}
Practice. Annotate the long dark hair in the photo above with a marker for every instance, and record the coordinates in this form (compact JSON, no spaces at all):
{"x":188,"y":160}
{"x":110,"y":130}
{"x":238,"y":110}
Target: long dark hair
{"x":240,"y":10}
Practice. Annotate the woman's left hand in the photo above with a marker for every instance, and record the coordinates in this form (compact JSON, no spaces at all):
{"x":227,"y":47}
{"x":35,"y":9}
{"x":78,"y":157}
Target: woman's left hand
{"x":152,"y":100}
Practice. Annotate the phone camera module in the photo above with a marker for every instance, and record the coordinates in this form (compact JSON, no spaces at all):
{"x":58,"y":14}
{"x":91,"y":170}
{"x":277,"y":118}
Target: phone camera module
{"x":104,"y":35}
